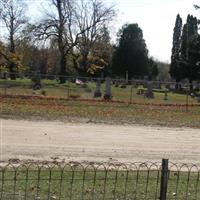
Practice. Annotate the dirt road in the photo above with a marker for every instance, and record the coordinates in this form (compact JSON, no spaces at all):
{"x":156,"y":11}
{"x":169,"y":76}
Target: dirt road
{"x":97,"y":142}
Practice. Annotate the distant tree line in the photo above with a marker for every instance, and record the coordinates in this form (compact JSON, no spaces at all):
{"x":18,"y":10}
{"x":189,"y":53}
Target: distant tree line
{"x":73,"y":38}
{"x":185,"y":58}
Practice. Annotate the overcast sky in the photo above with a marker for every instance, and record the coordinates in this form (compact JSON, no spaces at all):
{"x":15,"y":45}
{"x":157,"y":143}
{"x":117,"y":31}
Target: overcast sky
{"x":157,"y":20}
{"x":155,"y":17}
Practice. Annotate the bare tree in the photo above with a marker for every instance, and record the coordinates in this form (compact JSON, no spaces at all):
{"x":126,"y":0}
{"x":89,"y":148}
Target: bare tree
{"x":13,"y":17}
{"x":89,"y":38}
{"x":70,"y":22}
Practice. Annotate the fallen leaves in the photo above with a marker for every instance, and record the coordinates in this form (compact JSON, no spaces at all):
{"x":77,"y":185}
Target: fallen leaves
{"x":100,"y":111}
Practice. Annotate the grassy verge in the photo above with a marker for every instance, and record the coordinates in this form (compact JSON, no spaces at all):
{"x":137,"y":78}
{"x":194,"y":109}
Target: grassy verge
{"x":89,"y":183}
{"x":105,"y":112}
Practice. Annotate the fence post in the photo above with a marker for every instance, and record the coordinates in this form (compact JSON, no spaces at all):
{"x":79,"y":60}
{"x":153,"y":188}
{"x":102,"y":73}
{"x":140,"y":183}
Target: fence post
{"x":131,"y":96}
{"x":187,"y":99}
{"x":164,"y":179}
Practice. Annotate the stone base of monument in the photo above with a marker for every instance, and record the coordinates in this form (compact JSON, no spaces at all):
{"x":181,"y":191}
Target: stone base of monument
{"x":97,"y":94}
{"x":107,"y":97}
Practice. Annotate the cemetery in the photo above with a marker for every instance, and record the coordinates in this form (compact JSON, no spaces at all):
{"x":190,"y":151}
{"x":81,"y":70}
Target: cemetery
{"x":135,"y":91}
{"x":94,"y":105}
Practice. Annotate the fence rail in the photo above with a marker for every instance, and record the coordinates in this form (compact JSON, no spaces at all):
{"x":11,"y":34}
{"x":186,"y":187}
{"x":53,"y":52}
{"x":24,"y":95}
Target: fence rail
{"x":91,"y":181}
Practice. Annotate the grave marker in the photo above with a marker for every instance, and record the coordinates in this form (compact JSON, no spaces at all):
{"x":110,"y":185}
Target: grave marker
{"x":97,"y":92}
{"x":108,"y":94}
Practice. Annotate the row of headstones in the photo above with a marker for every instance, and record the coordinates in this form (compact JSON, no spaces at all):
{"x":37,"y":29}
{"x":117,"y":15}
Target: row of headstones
{"x":108,"y":95}
{"x":149,"y":93}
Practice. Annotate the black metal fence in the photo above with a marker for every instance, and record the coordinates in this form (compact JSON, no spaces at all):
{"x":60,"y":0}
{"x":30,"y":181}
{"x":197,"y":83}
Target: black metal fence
{"x":91,"y":181}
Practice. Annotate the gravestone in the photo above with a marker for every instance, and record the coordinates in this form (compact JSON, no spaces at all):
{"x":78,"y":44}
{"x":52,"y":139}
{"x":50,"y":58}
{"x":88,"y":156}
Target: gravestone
{"x":97,"y":92}
{"x":149,"y":93}
{"x":108,"y":94}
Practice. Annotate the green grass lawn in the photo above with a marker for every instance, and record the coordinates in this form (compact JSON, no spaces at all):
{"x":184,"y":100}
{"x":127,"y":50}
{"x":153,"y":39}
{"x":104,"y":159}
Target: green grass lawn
{"x":89,"y":183}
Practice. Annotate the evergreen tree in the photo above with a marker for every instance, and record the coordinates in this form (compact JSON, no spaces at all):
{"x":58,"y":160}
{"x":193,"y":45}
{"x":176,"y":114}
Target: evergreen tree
{"x":186,"y":50}
{"x":193,"y":68}
{"x":175,"y":70}
{"x":189,"y":49}
{"x":131,"y":53}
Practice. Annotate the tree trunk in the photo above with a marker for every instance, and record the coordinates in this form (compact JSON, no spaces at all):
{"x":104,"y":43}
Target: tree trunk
{"x":85,"y":62}
{"x":63,"y":73}
{"x":12,"y":68}
{"x":63,"y":60}
{"x":12,"y":65}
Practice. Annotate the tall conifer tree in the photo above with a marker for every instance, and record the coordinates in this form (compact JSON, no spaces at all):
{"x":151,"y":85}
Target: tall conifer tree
{"x":175,"y":68}
{"x":131,"y":54}
{"x":189,"y":49}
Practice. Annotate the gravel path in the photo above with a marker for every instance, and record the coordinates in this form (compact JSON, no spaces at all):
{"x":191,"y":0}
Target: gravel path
{"x":43,"y":140}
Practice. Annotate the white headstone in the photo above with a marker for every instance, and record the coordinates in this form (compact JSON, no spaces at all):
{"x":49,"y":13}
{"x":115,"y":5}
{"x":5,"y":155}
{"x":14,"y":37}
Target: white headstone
{"x":108,"y":86}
